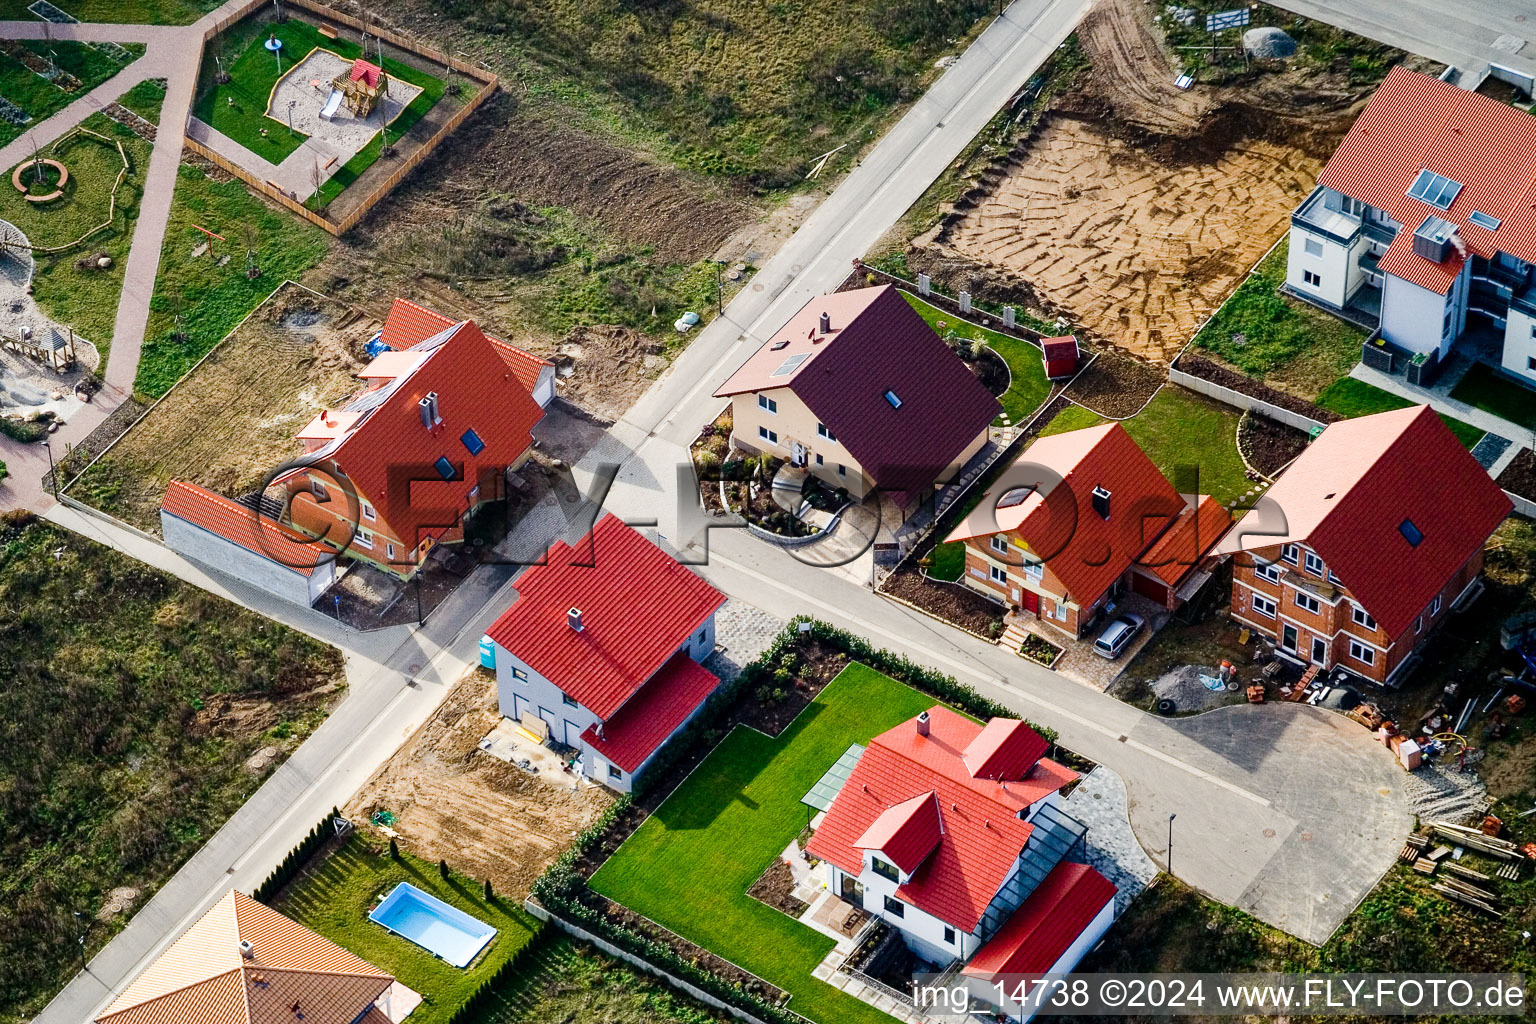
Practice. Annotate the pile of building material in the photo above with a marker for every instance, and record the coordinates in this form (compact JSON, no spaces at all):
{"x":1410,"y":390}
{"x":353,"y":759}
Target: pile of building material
{"x":1455,"y":880}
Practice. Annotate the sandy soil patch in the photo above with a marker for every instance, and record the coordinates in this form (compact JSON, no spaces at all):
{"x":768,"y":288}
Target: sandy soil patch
{"x":233,"y":420}
{"x":452,"y":800}
{"x":345,"y":133}
{"x":26,"y":386}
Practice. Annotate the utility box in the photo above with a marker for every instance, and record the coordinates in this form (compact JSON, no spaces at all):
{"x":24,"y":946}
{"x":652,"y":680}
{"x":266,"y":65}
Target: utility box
{"x":487,"y":653}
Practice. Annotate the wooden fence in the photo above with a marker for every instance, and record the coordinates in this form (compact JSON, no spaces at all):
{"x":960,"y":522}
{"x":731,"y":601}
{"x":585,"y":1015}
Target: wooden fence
{"x":488,"y":85}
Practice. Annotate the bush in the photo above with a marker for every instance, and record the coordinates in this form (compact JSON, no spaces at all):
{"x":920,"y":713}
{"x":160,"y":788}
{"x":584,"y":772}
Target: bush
{"x":299,"y":856}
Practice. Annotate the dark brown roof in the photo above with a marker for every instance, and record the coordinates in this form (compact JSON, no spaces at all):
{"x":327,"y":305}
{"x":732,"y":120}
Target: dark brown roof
{"x":878,"y":344}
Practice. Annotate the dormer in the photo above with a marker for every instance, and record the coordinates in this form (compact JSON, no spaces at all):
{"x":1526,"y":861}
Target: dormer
{"x":1005,"y":750}
{"x":903,"y":837}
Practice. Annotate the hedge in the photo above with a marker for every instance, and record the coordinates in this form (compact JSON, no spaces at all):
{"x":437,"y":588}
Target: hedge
{"x":297,"y":857}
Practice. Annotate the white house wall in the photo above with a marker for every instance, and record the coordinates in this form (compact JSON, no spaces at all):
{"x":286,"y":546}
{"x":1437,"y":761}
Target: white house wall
{"x":1520,"y":345}
{"x":1334,"y":266}
{"x":1085,"y":941}
{"x":1411,"y":316}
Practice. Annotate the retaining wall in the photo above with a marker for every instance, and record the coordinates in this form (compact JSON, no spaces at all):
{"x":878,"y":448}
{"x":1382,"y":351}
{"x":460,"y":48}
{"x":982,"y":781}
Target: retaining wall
{"x":1238,"y":400}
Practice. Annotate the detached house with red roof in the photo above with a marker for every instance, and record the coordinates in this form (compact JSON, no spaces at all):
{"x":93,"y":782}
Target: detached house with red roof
{"x":1427,"y":213}
{"x":603,"y":647}
{"x":859,"y":390}
{"x":244,"y":963}
{"x":1080,"y":518}
{"x":1365,"y":543}
{"x":952,"y":833}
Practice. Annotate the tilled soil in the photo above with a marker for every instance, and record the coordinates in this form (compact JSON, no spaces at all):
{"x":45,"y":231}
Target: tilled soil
{"x":952,"y":602}
{"x":1269,"y":446}
{"x":1520,"y":475}
{"x":1114,"y":385}
{"x":452,"y":800}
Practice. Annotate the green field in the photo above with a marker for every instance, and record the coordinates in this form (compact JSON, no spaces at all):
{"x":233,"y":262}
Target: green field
{"x":39,"y":97}
{"x":1029,"y":386}
{"x":238,"y":109}
{"x":118,"y":12}
{"x":688,"y":867}
{"x":334,"y":899}
{"x":1073,"y":417}
{"x":85,"y":300}
{"x":212,"y":299}
{"x":1350,"y":398}
{"x":145,"y":99}
{"x":1279,"y":340}
{"x":1486,"y":390}
{"x":131,"y":703}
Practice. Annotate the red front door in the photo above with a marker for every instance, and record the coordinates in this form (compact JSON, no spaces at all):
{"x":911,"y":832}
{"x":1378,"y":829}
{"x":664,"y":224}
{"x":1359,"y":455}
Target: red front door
{"x":1031,"y":602}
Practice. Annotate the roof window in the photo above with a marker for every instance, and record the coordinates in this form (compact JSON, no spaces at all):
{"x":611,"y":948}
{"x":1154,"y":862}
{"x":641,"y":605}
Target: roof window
{"x":1435,"y":189}
{"x":1410,"y":533}
{"x":790,"y":365}
{"x":444,"y":468}
{"x":472,"y":441}
{"x":893,"y":398}
{"x":1484,"y":220}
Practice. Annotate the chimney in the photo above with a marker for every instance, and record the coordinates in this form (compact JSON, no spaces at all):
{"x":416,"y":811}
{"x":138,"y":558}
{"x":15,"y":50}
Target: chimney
{"x":922,"y":724}
{"x":424,"y":407}
{"x":1101,"y":502}
{"x":573,"y":619}
{"x":826,"y":324}
{"x":437,"y":413}
{"x":247,"y":951}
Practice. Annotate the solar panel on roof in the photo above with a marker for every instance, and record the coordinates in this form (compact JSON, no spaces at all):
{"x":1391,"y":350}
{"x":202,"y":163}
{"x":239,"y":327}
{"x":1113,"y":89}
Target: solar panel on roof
{"x":1435,"y":189}
{"x":788,"y":366}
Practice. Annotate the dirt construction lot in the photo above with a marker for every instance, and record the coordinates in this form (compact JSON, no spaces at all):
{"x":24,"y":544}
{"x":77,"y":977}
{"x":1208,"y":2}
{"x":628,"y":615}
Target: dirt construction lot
{"x":1135,"y":207}
{"x":452,"y":800}
{"x":234,"y":417}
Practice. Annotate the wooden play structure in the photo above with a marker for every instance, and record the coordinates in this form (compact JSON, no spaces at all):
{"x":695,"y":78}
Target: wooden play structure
{"x":362,"y":86}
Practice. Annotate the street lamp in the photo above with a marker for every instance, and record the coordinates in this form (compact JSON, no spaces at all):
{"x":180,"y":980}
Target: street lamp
{"x":719,"y":287}
{"x":84,"y":926}
{"x":52,"y":473}
{"x":1170,"y":842}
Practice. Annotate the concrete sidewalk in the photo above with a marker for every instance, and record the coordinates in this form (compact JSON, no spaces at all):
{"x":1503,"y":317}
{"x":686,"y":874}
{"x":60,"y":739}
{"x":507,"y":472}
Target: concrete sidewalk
{"x":1438,"y":397}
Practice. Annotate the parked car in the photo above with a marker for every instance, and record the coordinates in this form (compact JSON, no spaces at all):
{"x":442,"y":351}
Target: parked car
{"x":1118,"y":635}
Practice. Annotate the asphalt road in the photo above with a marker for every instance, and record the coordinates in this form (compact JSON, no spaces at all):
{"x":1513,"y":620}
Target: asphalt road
{"x":1459,"y":33}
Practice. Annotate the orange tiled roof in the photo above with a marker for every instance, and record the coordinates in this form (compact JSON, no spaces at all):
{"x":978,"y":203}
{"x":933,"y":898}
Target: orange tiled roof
{"x":203,"y":978}
{"x":240,"y":525}
{"x":410,"y":324}
{"x":1182,"y":545}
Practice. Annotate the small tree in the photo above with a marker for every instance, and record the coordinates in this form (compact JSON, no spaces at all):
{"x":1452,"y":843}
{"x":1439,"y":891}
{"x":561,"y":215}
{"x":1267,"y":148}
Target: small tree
{"x":442,"y":869}
{"x":488,"y":894}
{"x":394,"y":849}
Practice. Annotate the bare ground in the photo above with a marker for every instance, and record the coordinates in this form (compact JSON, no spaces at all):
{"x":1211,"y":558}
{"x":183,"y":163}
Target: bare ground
{"x":1135,"y":207}
{"x":234,"y":419}
{"x":452,"y":800}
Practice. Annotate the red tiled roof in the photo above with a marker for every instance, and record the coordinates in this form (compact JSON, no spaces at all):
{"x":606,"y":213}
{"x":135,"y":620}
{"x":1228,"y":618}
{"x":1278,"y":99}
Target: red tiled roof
{"x":1176,"y":553}
{"x":642,"y":725}
{"x":1054,"y":348}
{"x":202,"y":977}
{"x":1401,"y":261}
{"x":1044,"y":927}
{"x":905,"y":833}
{"x":1005,"y":749}
{"x":240,"y":525}
{"x":367,"y":73}
{"x":409,"y":324}
{"x":982,"y":834}
{"x":1416,"y":122}
{"x":638,"y":606}
{"x":1057,"y":519}
{"x":878,"y":343}
{"x":390,"y":456}
{"x":1351,"y":489}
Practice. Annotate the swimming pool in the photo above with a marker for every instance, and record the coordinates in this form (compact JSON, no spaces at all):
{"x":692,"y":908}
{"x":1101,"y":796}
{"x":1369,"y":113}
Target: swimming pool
{"x":442,"y":930}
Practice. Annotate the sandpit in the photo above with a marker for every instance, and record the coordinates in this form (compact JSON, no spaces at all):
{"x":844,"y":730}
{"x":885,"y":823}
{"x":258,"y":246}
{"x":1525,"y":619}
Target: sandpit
{"x":26,"y":386}
{"x":1138,"y":251}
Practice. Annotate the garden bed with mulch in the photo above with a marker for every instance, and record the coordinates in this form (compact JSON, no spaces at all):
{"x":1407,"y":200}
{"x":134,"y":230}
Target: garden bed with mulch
{"x":1195,"y":366}
{"x":955,"y":603}
{"x":1038,"y":648}
{"x":1116,"y":386}
{"x":1519,"y":477}
{"x":1268,"y":446}
{"x":990,"y":369}
{"x":776,"y":887}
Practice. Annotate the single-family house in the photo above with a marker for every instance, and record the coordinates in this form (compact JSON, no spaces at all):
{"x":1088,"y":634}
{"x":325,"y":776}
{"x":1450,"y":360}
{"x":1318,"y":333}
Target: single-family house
{"x":409,"y":324}
{"x":1364,"y":543}
{"x":603,"y":647}
{"x":952,"y":833}
{"x":1426,"y":216}
{"x":1080,"y":518}
{"x":429,"y":438}
{"x":858,"y":389}
{"x":244,"y":963}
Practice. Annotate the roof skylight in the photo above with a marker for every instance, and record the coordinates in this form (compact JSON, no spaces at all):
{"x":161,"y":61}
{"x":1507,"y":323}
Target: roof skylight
{"x":1435,"y":189}
{"x":789,"y":365}
{"x":1484,"y":220}
{"x":1411,"y":533}
{"x":891,"y":396}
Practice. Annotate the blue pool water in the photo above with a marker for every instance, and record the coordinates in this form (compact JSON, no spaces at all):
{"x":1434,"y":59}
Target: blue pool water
{"x":443,"y":930}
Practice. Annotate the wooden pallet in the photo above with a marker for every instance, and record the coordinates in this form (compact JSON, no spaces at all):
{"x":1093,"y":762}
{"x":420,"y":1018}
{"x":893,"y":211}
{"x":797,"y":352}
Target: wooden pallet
{"x":1412,"y":848}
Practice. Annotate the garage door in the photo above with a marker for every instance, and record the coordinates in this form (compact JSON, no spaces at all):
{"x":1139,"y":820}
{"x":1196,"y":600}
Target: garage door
{"x":1148,"y":587}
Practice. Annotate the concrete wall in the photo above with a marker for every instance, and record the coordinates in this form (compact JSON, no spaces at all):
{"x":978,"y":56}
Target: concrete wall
{"x":248,"y":566}
{"x":1411,"y":317}
{"x":1520,"y":345}
{"x":1238,"y":400}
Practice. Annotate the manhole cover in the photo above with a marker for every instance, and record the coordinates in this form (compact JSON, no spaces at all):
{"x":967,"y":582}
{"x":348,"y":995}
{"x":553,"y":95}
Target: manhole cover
{"x":1269,"y":833}
{"x":1306,"y":837}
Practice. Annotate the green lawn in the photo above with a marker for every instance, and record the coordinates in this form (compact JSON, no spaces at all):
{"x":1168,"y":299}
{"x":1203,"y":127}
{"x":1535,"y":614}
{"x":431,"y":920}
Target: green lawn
{"x":145,"y":99}
{"x":947,"y":561}
{"x":84,"y":299}
{"x":253,"y":72}
{"x":567,"y":981}
{"x":131,"y":703}
{"x":1350,"y":398}
{"x":1286,"y":343}
{"x":213,"y":299}
{"x":39,"y":97}
{"x":118,"y":12}
{"x":1177,"y":429}
{"x":1486,"y":390}
{"x":335,"y":897}
{"x":689,"y":865}
{"x":1029,"y":386}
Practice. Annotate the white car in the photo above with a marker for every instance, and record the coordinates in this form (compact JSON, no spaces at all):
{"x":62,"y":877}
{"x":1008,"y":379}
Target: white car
{"x":1117,"y":635}
{"x":684,"y":322}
